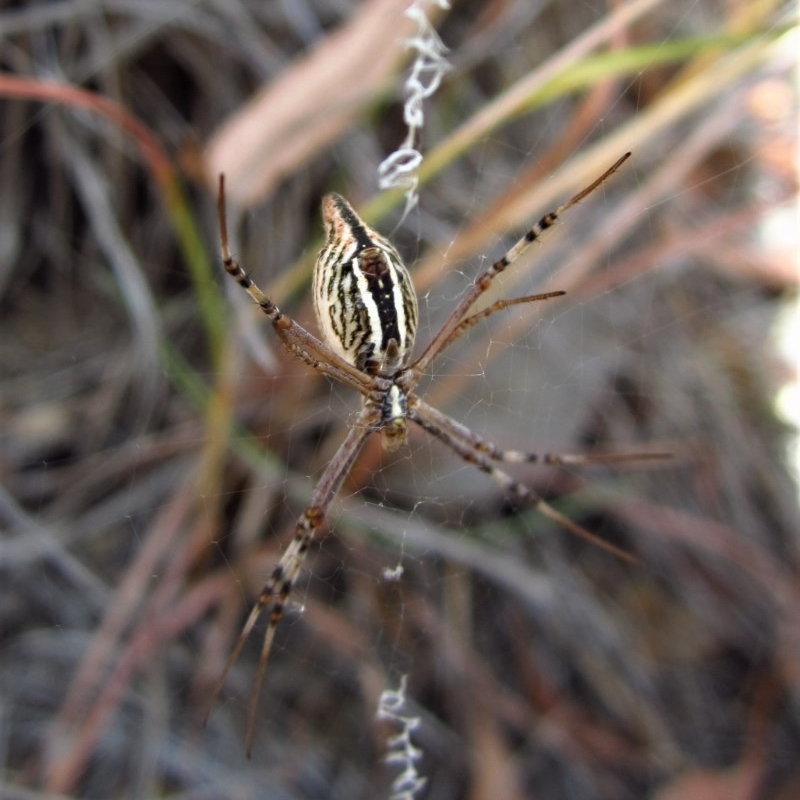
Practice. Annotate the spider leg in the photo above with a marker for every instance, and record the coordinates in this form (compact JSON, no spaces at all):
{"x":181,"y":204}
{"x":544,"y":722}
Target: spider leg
{"x":573,"y":459}
{"x":276,"y":590}
{"x":475,"y":450}
{"x":500,"y":305}
{"x":446,"y":333}
{"x":490,"y":449}
{"x":295,"y":338}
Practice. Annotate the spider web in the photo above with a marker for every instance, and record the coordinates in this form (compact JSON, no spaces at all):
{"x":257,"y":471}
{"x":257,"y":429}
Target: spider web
{"x":619,"y":364}
{"x":149,"y":489}
{"x":615,"y":366}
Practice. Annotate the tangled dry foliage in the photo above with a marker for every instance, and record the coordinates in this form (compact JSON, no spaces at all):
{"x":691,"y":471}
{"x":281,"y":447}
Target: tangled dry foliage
{"x":156,"y":446}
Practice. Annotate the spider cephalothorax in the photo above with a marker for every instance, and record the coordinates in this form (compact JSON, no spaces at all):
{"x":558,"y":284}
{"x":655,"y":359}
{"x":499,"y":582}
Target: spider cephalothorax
{"x":367,"y":312}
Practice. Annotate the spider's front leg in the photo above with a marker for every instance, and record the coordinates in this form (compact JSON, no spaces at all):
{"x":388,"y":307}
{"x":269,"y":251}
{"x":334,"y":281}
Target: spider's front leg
{"x":475,"y":450}
{"x":277,"y":589}
{"x":481,"y":445}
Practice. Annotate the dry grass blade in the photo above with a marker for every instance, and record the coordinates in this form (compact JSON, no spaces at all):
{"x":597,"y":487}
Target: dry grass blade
{"x":308,"y":106}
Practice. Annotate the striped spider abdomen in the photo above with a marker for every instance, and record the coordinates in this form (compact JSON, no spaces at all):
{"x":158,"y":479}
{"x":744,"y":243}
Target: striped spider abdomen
{"x":365,"y":303}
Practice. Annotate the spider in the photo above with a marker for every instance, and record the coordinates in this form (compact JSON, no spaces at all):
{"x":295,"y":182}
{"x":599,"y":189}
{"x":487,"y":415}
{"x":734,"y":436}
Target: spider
{"x":367,"y":313}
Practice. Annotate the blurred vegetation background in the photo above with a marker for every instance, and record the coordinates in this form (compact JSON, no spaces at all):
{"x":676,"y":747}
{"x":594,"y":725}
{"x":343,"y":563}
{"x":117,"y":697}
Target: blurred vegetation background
{"x":157,"y":446}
